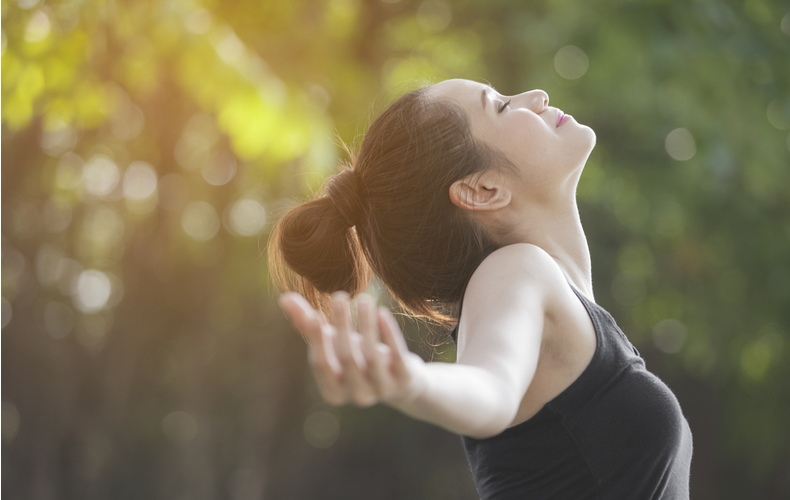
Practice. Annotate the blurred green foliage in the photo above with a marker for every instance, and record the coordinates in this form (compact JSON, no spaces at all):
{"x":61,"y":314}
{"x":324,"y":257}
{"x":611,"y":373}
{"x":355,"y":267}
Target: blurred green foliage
{"x":147,"y":147}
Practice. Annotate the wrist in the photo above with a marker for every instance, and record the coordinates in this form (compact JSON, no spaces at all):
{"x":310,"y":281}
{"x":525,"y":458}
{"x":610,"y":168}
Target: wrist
{"x":416,"y":386}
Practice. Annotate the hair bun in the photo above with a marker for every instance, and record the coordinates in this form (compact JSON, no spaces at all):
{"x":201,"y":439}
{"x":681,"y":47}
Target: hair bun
{"x":344,"y":193}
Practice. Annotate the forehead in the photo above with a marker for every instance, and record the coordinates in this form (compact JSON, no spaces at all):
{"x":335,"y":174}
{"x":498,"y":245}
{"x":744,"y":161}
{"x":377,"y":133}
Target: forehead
{"x":459,"y":89}
{"x":467,"y":93}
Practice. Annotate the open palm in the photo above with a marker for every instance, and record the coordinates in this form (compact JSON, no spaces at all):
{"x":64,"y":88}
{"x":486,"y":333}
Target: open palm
{"x":363,"y":367}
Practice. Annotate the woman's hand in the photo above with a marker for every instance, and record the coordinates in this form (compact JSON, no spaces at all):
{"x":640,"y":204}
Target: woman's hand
{"x":357,"y":367}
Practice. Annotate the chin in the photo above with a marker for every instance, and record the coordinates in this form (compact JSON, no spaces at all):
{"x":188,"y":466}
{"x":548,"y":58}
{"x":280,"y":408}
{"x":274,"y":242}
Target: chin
{"x":590,"y":133}
{"x":585,"y":142}
{"x":586,"y":145}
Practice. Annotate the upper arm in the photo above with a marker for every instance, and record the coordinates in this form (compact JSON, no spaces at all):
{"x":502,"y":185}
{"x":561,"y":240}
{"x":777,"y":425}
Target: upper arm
{"x":504,"y":309}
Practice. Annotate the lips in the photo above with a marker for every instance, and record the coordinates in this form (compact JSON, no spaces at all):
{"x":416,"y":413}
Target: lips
{"x":562,"y":118}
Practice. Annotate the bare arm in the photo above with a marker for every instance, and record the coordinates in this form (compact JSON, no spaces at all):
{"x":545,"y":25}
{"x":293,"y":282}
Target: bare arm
{"x":479,"y":395}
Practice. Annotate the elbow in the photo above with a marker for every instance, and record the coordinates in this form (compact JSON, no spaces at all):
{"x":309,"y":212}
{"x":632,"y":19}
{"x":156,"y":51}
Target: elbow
{"x":496,"y":423}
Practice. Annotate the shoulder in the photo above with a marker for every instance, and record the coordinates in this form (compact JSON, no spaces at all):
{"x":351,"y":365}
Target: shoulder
{"x":524,"y":254}
{"x":506,"y":304}
{"x":521,"y":267}
{"x":516,"y":284}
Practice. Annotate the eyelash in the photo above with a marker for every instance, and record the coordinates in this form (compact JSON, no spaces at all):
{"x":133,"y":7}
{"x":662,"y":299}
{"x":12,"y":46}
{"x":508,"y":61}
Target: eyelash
{"x":502,"y":106}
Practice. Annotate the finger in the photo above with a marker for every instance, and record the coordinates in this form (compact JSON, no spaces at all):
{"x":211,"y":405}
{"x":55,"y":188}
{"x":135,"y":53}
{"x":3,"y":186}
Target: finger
{"x":367,"y":326}
{"x":393,"y":338}
{"x":376,"y":354}
{"x":390,"y":328}
{"x":341,"y":319}
{"x":349,"y":354}
{"x":301,"y":314}
{"x":321,"y":355}
{"x":325,"y":354}
{"x":324,"y":363}
{"x":327,"y":369}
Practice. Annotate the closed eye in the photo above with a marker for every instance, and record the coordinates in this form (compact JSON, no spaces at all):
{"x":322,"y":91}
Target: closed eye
{"x":502,"y":106}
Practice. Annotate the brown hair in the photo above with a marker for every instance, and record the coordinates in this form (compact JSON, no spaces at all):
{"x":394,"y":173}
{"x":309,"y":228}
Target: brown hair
{"x":391,"y":211}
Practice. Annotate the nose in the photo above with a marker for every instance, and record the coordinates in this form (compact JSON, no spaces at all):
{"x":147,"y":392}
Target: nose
{"x":537,"y":100}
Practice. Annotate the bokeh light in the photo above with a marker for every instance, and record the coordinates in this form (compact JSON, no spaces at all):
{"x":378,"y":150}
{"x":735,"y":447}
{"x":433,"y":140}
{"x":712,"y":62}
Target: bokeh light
{"x":319,"y":96}
{"x":49,"y":265}
{"x":103,"y":226}
{"x":38,"y":27}
{"x":139,"y":182}
{"x":229,"y":46}
{"x":92,"y":329}
{"x":28,"y":4}
{"x":25,"y":219}
{"x":116,"y":290}
{"x":92,"y":291}
{"x":7,"y":312}
{"x":10,"y":421}
{"x":173,"y":193}
{"x":70,"y":171}
{"x":198,"y":21}
{"x":127,"y":121}
{"x":765,"y":350}
{"x":180,"y":427}
{"x":247,"y":483}
{"x":68,"y":273}
{"x":57,"y":137}
{"x":670,"y":218}
{"x":101,"y":175}
{"x":669,"y":335}
{"x":571,"y":62}
{"x":57,"y":214}
{"x":779,"y":113}
{"x":628,"y":289}
{"x":246,"y":217}
{"x":58,"y":319}
{"x":196,"y":140}
{"x":680,"y":144}
{"x":14,"y":267}
{"x":321,"y":429}
{"x":93,"y":454}
{"x":434,"y":15}
{"x":200,"y":220}
{"x":219,"y":168}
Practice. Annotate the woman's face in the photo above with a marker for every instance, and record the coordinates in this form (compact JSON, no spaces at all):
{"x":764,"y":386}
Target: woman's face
{"x":547,"y":146}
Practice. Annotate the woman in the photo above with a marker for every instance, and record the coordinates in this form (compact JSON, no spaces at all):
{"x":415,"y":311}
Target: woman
{"x":463,"y":197}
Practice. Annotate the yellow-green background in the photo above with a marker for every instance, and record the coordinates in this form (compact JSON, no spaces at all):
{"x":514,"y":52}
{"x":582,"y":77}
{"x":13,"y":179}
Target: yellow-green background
{"x":148,"y":146}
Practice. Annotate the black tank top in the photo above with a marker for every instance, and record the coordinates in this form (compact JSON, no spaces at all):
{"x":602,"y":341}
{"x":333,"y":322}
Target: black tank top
{"x":617,"y":432}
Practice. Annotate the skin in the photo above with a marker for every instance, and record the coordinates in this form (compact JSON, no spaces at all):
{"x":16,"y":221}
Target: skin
{"x":524,"y":336}
{"x":538,"y":207}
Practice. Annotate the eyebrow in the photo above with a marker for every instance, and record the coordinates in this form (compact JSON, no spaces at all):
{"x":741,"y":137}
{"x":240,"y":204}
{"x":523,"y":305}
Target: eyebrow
{"x":483,"y":97}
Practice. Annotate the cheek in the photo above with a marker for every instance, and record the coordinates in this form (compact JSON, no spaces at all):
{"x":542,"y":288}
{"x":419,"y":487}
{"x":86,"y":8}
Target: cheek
{"x":522,"y":139}
{"x":533,"y":150}
{"x":524,"y":142}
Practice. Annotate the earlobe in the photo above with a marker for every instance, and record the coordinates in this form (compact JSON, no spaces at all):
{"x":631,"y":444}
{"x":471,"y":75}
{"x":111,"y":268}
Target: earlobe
{"x":472,"y":193}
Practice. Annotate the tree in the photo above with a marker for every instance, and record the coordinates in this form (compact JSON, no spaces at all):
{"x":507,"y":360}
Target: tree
{"x":148,"y":147}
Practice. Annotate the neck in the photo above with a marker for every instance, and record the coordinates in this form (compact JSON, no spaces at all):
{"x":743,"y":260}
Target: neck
{"x":558,"y":230}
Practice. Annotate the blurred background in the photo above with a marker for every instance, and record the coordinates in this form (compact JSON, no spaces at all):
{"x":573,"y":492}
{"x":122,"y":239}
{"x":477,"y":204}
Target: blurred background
{"x":149,"y":146}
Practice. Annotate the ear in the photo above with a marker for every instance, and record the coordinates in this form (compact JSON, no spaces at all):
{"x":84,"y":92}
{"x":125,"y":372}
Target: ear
{"x":480,"y":192}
